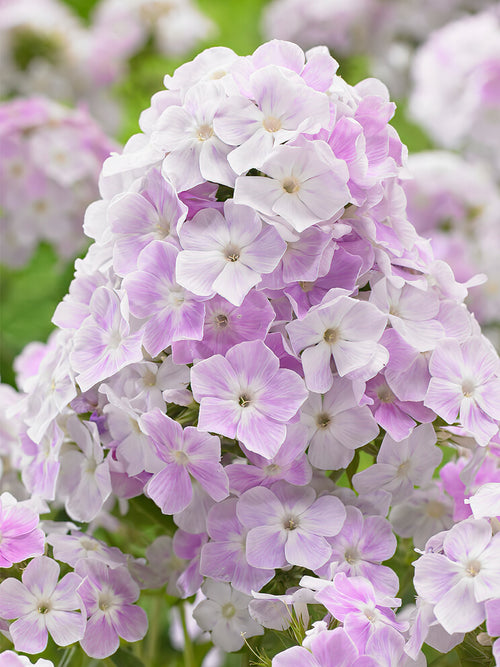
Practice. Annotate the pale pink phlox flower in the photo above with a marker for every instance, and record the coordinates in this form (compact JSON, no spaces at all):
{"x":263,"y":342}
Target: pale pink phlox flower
{"x":363,"y":543}
{"x":84,"y":481}
{"x":137,"y":218}
{"x":194,"y":152}
{"x":362,"y":610}
{"x":329,"y":648}
{"x":104,"y":344}
{"x":227,"y":254}
{"x":463,"y":577}
{"x":182,"y":454}
{"x":341,"y":328}
{"x":281,"y":106}
{"x":465,"y":384}
{"x":168,"y":311}
{"x":42,"y":604}
{"x":41,"y":469}
{"x":486,"y":501}
{"x":225,"y":615}
{"x":108,"y":595}
{"x":77,"y":545}
{"x":337,"y":425}
{"x":461,"y":487}
{"x":246,"y":395}
{"x":411,"y":311}
{"x":223,"y":558}
{"x":289,"y":463}
{"x":226,"y":325}
{"x":401,"y":465}
{"x":21,"y":536}
{"x":305,"y":184}
{"x":289,"y":524}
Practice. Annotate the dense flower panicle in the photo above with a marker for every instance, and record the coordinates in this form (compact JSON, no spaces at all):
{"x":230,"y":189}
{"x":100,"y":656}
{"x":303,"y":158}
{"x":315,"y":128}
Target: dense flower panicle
{"x":257,"y":326}
{"x":51,"y":158}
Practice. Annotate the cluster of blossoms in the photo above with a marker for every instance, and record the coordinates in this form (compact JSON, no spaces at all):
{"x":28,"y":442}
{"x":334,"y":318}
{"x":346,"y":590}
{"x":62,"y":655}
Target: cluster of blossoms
{"x":46,"y":49}
{"x":387,"y":32}
{"x":255,"y":317}
{"x":456,"y":78}
{"x":455,"y":203}
{"x":51,"y":157}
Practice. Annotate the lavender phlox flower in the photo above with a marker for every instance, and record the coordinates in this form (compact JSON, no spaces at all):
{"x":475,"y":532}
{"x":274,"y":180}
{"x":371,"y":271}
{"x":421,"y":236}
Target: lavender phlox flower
{"x":84,"y":481}
{"x":77,"y":545}
{"x":329,"y":648}
{"x":104,"y":343}
{"x":41,"y":467}
{"x":343,"y":273}
{"x":306,"y":184}
{"x":223,"y":558}
{"x":423,"y":514}
{"x":401,"y":465}
{"x":225,"y":614}
{"x":337,"y":425}
{"x":290,"y":463}
{"x":465,"y":574}
{"x":11,"y":659}
{"x":362,"y":610}
{"x":137,"y":218}
{"x":461,"y":478}
{"x":226,"y":254}
{"x":411,"y":311}
{"x":465,"y":384}
{"x":486,"y":501}
{"x":289,"y":524}
{"x":42,"y":604}
{"x":258,"y":124}
{"x":246,"y":395}
{"x":226,"y":325}
{"x":182,"y":453}
{"x":278,"y":611}
{"x":398,"y":418}
{"x":341,"y":328}
{"x":194,"y":152}
{"x":20,"y":536}
{"x":168,"y":311}
{"x":108,"y":595}
{"x":209,"y":65}
{"x":359,"y":549}
{"x":425,"y":628}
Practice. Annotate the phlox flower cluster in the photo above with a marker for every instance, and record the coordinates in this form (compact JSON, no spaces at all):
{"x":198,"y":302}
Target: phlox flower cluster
{"x":261,"y":352}
{"x":443,"y":79}
{"x":50,"y":160}
{"x":385,"y":32}
{"x":454,"y":202}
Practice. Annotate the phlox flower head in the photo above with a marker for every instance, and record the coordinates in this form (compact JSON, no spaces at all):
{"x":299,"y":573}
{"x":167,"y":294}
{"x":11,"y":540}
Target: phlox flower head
{"x":246,"y":395}
{"x":42,"y":604}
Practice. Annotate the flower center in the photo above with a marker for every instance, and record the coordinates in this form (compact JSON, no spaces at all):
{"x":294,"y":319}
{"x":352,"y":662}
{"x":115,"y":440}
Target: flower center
{"x":105,"y":600}
{"x":181,"y":457}
{"x":371,"y":614}
{"x":403,"y":469}
{"x":271,"y":124}
{"x":272,"y":469}
{"x":468,"y":387}
{"x":331,"y":336}
{"x":228,"y":610}
{"x":89,"y":545}
{"x":232,"y":254}
{"x":384,"y":394}
{"x":434,"y":509}
{"x":473,"y":568}
{"x":290,"y":185}
{"x":306,"y":286}
{"x":291,"y":523}
{"x":244,"y":400}
{"x":205,"y":132}
{"x":351,"y":556}
{"x":44,"y":607}
{"x":323,"y":420}
{"x":221,"y":321}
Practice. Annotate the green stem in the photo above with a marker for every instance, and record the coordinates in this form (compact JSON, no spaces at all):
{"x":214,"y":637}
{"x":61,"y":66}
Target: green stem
{"x":188,"y":652}
{"x":154,"y":629}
